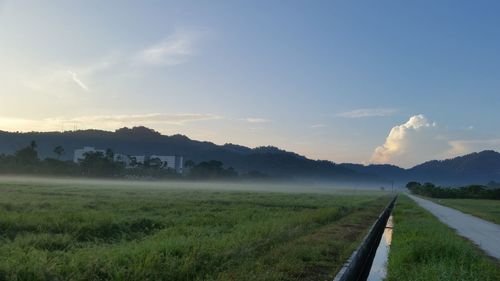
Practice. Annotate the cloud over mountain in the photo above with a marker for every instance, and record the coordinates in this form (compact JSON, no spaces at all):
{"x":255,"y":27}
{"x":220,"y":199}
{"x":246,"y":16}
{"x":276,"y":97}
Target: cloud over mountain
{"x":414,"y":141}
{"x":109,"y":122}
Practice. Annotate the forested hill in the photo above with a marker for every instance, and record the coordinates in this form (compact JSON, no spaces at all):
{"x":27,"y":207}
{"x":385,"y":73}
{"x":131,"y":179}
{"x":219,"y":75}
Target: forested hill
{"x":478,"y":167}
{"x":144,"y":141}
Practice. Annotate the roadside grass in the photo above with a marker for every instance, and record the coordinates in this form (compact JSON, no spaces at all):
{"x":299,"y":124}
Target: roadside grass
{"x":425,"y":249}
{"x":79,"y":232}
{"x":482,"y":208}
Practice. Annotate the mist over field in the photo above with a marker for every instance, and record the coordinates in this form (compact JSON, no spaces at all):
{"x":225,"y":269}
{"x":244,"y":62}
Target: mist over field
{"x":84,"y":229}
{"x":258,"y":186}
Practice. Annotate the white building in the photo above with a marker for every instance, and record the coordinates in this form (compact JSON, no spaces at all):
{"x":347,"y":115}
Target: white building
{"x":163,"y":162}
{"x":137,"y":160}
{"x":168,"y":162}
{"x":79,"y":154}
{"x":125,"y":159}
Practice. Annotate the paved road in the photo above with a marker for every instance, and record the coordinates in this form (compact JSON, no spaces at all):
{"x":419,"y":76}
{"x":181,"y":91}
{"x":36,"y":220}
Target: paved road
{"x":483,"y":233}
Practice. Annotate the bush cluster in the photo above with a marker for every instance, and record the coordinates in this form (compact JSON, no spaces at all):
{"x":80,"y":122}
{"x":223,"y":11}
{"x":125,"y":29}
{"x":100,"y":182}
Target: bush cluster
{"x":102,"y":165}
{"x":465,"y":192}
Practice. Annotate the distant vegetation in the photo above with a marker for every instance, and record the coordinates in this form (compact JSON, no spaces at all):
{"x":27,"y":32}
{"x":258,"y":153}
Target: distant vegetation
{"x":249,"y":162}
{"x":478,"y":167}
{"x":472,"y":168}
{"x":101,"y":165}
{"x":492,"y":191}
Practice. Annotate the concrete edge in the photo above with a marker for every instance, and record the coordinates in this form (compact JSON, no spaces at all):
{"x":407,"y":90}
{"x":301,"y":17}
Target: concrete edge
{"x":355,"y":267}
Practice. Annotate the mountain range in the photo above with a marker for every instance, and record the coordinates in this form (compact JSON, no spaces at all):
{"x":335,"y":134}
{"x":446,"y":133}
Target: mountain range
{"x":480,"y":167}
{"x":474,"y":168}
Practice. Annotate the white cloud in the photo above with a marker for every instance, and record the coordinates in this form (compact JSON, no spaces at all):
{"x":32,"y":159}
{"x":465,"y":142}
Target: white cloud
{"x":368,"y":112}
{"x":173,"y":119}
{"x":419,"y":140}
{"x":460,"y":147}
{"x":51,"y":80}
{"x":255,"y":120}
{"x":415,"y":141}
{"x":106,"y":122}
{"x":316,"y":126}
{"x":256,"y":129}
{"x":62,"y":80}
{"x":77,"y":80}
{"x":173,"y":50}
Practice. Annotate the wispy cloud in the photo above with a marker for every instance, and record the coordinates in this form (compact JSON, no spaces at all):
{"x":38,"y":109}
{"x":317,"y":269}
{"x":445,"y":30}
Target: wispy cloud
{"x":53,"y":80}
{"x":173,"y":119}
{"x":316,"y":126}
{"x":255,"y":120}
{"x":59,"y":79}
{"x":175,"y":49}
{"x":77,"y":80}
{"x":459,"y":147}
{"x":108,"y":122}
{"x":368,"y":112}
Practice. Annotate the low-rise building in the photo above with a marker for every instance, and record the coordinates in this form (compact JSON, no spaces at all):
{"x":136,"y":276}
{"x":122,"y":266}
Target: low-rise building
{"x":167,"y":162}
{"x":137,"y":160}
{"x":122,"y":158}
{"x":160,"y":161}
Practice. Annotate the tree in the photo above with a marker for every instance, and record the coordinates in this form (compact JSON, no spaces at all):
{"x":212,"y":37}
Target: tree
{"x":99,"y":165}
{"x":189,"y":164}
{"x":59,"y":151}
{"x":211,"y":170}
{"x":110,"y":154}
{"x":33,"y":145}
{"x":27,"y":155}
{"x":412,"y":184}
{"x":155,"y":163}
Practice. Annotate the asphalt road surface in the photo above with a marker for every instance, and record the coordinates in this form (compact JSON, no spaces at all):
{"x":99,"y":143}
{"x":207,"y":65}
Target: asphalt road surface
{"x":484,"y":234}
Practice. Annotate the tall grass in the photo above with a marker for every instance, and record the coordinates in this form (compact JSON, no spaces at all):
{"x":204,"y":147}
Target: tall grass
{"x":76,"y":232}
{"x":482,"y":208}
{"x":425,"y":249}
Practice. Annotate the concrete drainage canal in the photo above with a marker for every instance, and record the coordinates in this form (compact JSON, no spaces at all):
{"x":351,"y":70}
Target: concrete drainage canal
{"x":378,"y":270}
{"x":369,"y":260}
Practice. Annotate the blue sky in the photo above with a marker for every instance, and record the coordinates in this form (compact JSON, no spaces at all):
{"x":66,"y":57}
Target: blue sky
{"x":350,"y":81}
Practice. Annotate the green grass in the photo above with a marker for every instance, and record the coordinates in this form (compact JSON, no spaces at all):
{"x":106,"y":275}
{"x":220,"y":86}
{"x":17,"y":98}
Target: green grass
{"x":482,"y":208}
{"x":105,"y":231}
{"x":425,"y":249}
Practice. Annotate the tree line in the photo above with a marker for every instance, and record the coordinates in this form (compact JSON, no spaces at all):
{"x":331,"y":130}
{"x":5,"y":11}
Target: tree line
{"x":102,"y":165}
{"x":490,"y":191}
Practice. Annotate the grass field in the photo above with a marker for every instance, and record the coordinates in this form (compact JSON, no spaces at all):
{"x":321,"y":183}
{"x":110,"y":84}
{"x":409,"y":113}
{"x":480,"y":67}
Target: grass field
{"x":482,"y":208}
{"x":425,"y":249}
{"x":105,"y":231}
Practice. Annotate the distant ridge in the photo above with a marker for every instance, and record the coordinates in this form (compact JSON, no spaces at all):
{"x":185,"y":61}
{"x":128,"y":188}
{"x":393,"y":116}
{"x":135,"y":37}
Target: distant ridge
{"x":141,"y":140}
{"x":474,"y":168}
{"x":480,"y":167}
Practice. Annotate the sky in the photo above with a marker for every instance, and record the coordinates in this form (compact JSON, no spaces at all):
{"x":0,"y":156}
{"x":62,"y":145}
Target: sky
{"x":397,"y":82}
